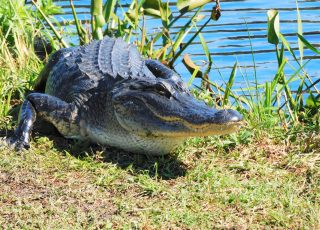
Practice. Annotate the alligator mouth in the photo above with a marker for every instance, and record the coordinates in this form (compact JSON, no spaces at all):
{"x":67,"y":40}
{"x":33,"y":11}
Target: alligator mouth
{"x":204,"y":129}
{"x":197,"y":129}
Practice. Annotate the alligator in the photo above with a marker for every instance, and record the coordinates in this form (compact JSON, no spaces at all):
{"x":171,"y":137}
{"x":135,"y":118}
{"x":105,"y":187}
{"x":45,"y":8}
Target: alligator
{"x":105,"y":92}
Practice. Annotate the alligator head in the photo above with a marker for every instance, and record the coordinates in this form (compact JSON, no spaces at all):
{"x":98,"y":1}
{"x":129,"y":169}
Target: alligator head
{"x":165,"y":108}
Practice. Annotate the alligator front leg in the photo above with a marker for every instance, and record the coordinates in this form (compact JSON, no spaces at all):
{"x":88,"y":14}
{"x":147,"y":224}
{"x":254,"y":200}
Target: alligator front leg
{"x":59,"y":113}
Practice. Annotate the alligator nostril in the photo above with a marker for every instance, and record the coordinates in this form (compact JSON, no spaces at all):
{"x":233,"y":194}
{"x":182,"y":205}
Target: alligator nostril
{"x":234,"y":116}
{"x":235,"y":119}
{"x":227,"y":115}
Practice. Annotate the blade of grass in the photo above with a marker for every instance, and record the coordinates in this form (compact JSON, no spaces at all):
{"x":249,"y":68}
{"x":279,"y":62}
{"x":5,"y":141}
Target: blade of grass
{"x":209,"y":58}
{"x":108,"y":8}
{"x":232,"y":95}
{"x":195,"y":72}
{"x":307,"y":44}
{"x":59,"y":37}
{"x":276,"y":79}
{"x":183,"y":32}
{"x":205,"y":48}
{"x":268,"y":94}
{"x":187,"y":5}
{"x":230,"y":84}
{"x":188,"y":43}
{"x":299,"y":22}
{"x":82,"y":33}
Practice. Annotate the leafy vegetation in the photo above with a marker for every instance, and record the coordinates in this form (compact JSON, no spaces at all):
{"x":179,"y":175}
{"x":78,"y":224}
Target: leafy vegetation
{"x":266,"y":175}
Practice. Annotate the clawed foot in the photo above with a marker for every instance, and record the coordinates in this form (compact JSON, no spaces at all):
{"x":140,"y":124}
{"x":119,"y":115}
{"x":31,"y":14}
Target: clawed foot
{"x":16,"y":143}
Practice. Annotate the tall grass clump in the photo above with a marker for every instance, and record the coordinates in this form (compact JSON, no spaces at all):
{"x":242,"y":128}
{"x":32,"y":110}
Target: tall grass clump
{"x":274,"y":102}
{"x":20,"y":28}
{"x":18,"y":62}
{"x":301,"y":104}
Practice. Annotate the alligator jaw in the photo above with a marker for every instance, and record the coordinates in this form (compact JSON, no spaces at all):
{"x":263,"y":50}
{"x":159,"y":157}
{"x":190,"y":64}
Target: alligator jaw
{"x":212,"y":129}
{"x":230,"y":125}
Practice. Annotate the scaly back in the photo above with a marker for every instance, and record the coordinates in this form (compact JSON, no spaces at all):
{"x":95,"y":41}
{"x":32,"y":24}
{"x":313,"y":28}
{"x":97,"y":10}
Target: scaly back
{"x":72,"y":73}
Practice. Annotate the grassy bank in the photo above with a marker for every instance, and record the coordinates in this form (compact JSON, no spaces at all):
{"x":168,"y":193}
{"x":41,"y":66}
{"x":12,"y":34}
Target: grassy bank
{"x":253,"y":179}
{"x":265,"y":176}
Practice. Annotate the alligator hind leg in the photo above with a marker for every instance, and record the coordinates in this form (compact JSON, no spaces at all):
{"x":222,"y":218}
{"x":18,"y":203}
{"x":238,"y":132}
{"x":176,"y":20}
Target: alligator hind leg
{"x":61,"y":114}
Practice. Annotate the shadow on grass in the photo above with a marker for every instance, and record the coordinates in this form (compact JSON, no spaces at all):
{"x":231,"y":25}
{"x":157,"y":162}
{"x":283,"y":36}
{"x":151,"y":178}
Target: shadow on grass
{"x":165,"y":167}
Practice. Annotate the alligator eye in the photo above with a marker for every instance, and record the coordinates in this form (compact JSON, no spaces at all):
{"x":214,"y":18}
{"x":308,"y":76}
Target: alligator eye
{"x":162,"y":90}
{"x":135,"y":87}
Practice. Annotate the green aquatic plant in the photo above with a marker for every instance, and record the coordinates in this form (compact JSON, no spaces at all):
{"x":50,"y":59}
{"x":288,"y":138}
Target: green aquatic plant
{"x":297,"y":105}
{"x":275,"y":97}
{"x":18,"y":62}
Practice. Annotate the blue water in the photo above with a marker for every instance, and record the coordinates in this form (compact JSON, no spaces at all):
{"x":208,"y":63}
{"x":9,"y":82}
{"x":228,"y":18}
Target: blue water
{"x":228,"y":38}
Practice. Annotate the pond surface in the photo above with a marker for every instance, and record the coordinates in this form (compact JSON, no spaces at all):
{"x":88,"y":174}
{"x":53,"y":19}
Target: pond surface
{"x":228,"y":39}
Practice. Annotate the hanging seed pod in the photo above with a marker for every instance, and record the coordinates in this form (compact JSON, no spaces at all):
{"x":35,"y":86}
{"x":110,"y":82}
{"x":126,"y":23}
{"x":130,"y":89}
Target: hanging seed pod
{"x":216,"y":11}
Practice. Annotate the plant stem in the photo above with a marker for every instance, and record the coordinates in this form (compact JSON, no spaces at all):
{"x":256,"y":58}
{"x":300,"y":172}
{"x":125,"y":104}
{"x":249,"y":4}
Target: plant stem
{"x":188,"y":43}
{"x":64,"y":44}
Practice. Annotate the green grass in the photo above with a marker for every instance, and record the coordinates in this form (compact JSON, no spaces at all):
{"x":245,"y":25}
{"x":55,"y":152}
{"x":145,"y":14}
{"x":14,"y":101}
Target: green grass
{"x":252,"y":179}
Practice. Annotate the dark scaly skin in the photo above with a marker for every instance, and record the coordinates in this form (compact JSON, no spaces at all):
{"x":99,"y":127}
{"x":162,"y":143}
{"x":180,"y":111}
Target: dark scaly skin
{"x":106,"y":93}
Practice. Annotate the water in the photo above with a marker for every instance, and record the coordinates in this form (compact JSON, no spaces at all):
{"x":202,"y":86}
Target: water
{"x":228,"y":39}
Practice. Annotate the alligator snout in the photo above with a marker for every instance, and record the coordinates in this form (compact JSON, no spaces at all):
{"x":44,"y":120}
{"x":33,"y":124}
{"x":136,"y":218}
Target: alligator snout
{"x":227,"y":115}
